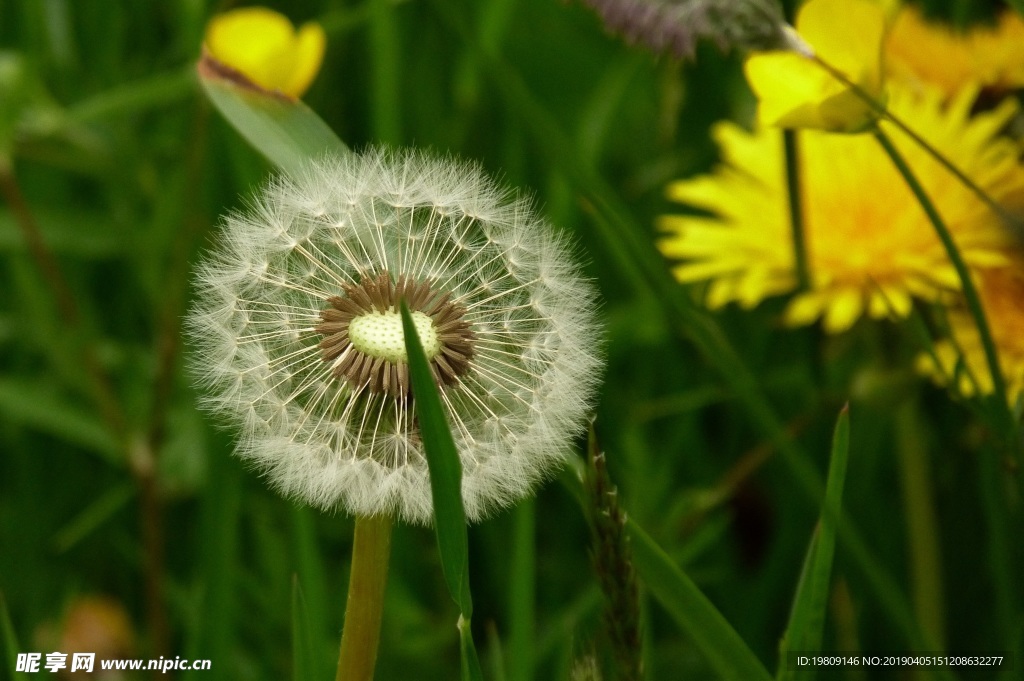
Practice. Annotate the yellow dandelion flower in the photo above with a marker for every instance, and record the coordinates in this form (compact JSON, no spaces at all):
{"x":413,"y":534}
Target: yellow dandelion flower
{"x":870,"y":247}
{"x":795,"y":92}
{"x":920,"y":51}
{"x":264,"y":46}
{"x":960,"y":362}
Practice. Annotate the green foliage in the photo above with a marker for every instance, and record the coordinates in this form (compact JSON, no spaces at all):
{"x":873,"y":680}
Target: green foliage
{"x":446,"y":491}
{"x":718,"y":426}
{"x":810,"y":603}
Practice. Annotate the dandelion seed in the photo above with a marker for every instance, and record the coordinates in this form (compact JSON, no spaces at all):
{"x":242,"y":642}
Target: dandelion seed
{"x":300,"y":344}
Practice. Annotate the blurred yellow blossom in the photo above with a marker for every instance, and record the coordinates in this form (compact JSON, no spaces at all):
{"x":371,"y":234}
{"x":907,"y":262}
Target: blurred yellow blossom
{"x":920,"y":51}
{"x":870,"y":247}
{"x":264,"y":46}
{"x":794,"y":91}
{"x":960,"y":361}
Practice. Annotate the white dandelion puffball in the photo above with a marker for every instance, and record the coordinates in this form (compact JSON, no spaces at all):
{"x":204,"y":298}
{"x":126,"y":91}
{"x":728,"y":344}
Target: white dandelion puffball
{"x":298,"y":340}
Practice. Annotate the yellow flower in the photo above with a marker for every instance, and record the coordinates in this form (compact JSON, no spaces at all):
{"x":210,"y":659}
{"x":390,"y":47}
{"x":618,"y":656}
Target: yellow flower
{"x":263,"y":46}
{"x":870,"y":247}
{"x":919,"y":51}
{"x":960,"y":362}
{"x":794,"y":91}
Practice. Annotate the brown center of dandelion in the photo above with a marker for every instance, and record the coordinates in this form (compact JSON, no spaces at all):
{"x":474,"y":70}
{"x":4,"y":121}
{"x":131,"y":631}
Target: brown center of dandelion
{"x":364,"y":342}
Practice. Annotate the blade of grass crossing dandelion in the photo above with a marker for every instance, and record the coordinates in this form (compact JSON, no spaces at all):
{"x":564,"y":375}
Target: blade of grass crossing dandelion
{"x":470,"y":663}
{"x":284,"y":130}
{"x":807,"y":616}
{"x":446,"y":491}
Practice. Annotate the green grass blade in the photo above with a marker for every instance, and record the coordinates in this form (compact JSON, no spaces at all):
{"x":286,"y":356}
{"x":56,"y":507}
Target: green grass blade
{"x":303,"y":660}
{"x":313,"y":583}
{"x":721,"y":646}
{"x":36,"y":405}
{"x":522,"y":593}
{"x":807,"y":617}
{"x":470,"y":662}
{"x":284,"y":130}
{"x":999,"y":403}
{"x":445,"y":471}
{"x":10,"y":641}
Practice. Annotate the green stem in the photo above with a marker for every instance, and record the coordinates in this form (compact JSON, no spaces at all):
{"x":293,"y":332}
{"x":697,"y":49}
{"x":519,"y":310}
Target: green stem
{"x":922,"y":523}
{"x":1005,"y":589}
{"x":796,"y":211}
{"x":385,"y":71}
{"x":1011,"y":221}
{"x":100,"y":383}
{"x":970,"y":292}
{"x":371,"y":550}
{"x":522,"y":611}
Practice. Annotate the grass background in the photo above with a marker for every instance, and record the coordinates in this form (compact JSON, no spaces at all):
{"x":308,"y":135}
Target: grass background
{"x":125,"y":167}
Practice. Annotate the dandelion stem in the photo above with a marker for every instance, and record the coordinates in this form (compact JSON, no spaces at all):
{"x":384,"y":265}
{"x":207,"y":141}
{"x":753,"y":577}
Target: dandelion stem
{"x":1011,"y":221}
{"x":796,"y":209}
{"x":371,"y":550}
{"x":970,"y":292}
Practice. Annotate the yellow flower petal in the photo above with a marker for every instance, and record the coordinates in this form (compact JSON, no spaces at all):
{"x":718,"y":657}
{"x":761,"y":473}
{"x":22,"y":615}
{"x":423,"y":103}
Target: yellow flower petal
{"x":921,"y":52}
{"x":871,"y":249}
{"x":793,"y":91}
{"x":309,"y":54}
{"x":844,"y":309}
{"x":804,"y":309}
{"x":962,"y":362}
{"x":263,"y":46}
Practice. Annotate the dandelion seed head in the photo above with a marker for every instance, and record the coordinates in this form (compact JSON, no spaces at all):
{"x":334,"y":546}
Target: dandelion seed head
{"x":298,"y":339}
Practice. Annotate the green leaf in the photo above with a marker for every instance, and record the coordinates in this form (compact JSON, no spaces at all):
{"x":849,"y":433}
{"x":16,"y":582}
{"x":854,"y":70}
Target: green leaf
{"x":284,"y":130}
{"x":721,"y":646}
{"x":445,"y":471}
{"x":807,"y":617}
{"x":303,"y":660}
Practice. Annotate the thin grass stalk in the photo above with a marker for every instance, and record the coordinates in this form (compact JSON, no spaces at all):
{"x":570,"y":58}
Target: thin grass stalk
{"x":371,"y":551}
{"x":612,"y":558}
{"x":879,"y":108}
{"x":1006,"y":589}
{"x":168,"y":337}
{"x":922,"y":523}
{"x":101,"y":385}
{"x":796,"y":209}
{"x":970,"y":292}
